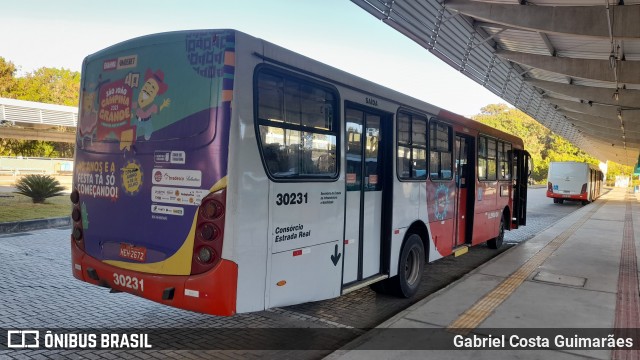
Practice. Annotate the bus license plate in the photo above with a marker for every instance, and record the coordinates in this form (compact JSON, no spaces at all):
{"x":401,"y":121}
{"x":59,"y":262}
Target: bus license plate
{"x":136,"y":253}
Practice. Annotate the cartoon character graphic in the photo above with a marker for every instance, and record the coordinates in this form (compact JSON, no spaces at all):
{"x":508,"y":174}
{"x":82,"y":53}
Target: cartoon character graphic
{"x":88,"y":116}
{"x":146,"y":106}
{"x":441,"y":203}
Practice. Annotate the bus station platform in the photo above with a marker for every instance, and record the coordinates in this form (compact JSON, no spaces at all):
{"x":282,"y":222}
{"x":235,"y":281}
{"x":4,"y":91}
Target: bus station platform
{"x":574,"y":285}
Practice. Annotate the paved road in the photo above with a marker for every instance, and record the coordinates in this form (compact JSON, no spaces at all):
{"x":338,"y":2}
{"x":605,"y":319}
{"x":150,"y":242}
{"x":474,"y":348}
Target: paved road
{"x":38,"y":291}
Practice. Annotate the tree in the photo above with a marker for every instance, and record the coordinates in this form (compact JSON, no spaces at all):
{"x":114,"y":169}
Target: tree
{"x":50,"y":85}
{"x":615,"y":169}
{"x":39,"y":187}
{"x":543,"y":145}
{"x":47,"y":85}
{"x":7,"y":77}
{"x":515,"y":122}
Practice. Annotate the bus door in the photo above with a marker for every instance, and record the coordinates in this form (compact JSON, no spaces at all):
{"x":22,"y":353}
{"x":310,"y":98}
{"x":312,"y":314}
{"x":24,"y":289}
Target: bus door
{"x":368,"y":200}
{"x":522,"y":170}
{"x":465,"y":189}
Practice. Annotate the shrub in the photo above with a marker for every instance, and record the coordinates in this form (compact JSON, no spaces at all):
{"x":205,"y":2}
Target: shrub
{"x":39,"y":187}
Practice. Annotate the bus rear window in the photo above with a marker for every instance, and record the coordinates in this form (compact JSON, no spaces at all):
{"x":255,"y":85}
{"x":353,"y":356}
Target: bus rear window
{"x":297,"y":130}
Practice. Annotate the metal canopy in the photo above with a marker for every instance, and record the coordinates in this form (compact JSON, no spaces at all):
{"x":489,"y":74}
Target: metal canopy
{"x":573,"y":65}
{"x":29,"y":120}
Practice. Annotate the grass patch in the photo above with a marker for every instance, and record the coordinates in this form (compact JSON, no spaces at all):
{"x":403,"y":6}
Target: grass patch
{"x":15,"y":207}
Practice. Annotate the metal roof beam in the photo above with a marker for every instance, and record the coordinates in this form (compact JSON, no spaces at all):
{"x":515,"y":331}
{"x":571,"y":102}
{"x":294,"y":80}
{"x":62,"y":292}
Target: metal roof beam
{"x":600,"y":121}
{"x":626,"y":97}
{"x":577,"y":20}
{"x":628,"y":139}
{"x":619,"y":142}
{"x":605,"y":111}
{"x":548,"y":44}
{"x":604,"y":131}
{"x":628,"y":71}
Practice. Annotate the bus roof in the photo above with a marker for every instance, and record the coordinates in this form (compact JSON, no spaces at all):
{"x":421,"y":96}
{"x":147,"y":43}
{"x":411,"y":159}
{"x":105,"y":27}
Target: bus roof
{"x":315,"y":68}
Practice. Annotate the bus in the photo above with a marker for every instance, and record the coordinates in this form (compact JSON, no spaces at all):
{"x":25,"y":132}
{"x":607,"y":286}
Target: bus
{"x":219,"y":173}
{"x":573,"y":181}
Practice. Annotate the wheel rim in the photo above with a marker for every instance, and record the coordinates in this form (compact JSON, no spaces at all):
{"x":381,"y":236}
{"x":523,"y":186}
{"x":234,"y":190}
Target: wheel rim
{"x":412,"y":267}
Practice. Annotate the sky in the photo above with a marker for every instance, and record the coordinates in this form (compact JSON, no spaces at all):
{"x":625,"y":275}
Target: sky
{"x":60,"y":33}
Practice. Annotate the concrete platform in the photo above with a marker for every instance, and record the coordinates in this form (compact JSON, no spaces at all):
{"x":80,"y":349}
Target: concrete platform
{"x":578,"y":278}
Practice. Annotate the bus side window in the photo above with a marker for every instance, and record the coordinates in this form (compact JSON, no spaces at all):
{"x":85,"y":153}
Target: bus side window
{"x":273,"y":158}
{"x":296,"y":122}
{"x":440,"y":145}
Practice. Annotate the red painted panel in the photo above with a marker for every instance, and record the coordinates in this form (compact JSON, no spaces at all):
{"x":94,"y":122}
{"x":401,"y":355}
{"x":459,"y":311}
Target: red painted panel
{"x":214,"y":292}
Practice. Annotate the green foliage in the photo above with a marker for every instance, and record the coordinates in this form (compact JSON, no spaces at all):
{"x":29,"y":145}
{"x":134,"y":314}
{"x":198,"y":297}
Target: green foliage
{"x":47,"y":85}
{"x":543,"y":145}
{"x":515,"y":122}
{"x":7,"y":77}
{"x":50,"y":85}
{"x":35,"y":148}
{"x":39,"y":187}
{"x":615,"y":169}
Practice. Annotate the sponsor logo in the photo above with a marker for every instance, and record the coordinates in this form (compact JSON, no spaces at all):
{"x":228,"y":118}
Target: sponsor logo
{"x":110,"y":64}
{"x":168,"y":210}
{"x":126,"y":62}
{"x":172,"y":195}
{"x":166,"y":157}
{"x":177,"y":177}
{"x":20,"y":339}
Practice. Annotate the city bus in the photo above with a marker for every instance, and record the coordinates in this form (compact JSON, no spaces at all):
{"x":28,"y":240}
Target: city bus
{"x":573,"y":181}
{"x":219,"y":173}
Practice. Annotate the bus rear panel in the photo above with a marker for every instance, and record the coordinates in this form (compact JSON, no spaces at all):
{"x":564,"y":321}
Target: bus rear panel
{"x":573,"y":181}
{"x":151,"y":170}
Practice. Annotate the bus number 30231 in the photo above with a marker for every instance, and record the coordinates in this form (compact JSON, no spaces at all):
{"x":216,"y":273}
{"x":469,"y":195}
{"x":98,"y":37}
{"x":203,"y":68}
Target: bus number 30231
{"x":130,"y":282}
{"x":291,"y":198}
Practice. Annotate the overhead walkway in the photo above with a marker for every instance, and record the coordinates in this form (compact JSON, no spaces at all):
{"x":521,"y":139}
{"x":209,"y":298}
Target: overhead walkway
{"x":576,"y":279}
{"x":29,"y":120}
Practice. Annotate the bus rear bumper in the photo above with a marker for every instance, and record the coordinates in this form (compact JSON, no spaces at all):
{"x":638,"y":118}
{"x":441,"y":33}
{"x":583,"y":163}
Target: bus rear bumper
{"x":577,"y":197}
{"x":213,"y":292}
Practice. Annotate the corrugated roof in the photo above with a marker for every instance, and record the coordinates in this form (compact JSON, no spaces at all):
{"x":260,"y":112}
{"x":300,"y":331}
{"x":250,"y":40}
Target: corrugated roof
{"x":456,"y":31}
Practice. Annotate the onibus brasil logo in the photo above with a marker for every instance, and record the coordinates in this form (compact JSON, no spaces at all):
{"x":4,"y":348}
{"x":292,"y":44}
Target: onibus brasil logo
{"x":31,"y":339}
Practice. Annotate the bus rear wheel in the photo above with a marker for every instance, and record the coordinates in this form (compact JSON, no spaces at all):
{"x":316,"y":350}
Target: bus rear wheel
{"x":496,"y":242}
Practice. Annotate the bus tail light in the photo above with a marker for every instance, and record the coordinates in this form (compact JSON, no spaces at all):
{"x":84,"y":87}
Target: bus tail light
{"x":549,"y":186}
{"x":77,"y":234}
{"x":205,"y":255}
{"x":584,"y":189}
{"x":209,"y":236}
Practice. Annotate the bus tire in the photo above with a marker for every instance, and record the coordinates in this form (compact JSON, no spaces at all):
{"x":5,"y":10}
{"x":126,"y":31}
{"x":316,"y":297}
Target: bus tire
{"x":555,"y":200}
{"x":410,"y":267}
{"x":496,"y":242}
{"x":561,"y":201}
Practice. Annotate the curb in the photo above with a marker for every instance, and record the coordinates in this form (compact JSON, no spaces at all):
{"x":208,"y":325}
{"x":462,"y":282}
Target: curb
{"x":38,"y":224}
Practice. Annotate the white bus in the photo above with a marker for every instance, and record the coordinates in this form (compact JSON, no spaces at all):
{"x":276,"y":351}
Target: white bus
{"x":574,"y":181}
{"x":219,"y":173}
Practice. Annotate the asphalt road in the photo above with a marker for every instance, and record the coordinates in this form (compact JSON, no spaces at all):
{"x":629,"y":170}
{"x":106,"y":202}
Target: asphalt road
{"x":38,"y":292}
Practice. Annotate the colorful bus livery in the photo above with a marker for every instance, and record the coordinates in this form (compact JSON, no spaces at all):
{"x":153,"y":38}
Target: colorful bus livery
{"x":219,"y":173}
